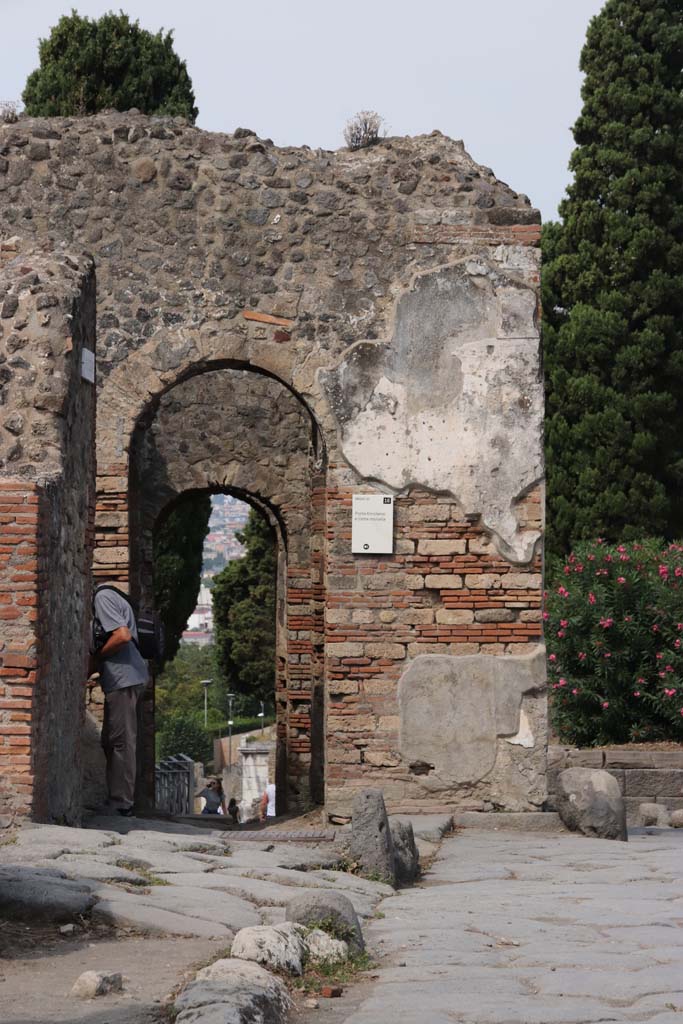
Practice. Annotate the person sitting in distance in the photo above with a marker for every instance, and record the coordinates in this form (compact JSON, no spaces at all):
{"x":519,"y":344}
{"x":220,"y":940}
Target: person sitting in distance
{"x":214,"y":797}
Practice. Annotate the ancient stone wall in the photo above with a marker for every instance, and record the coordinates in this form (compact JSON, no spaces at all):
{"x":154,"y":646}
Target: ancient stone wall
{"x":394,"y":292}
{"x":47,"y":476}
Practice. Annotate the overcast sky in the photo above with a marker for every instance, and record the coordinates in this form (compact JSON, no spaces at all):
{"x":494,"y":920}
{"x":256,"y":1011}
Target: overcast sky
{"x":500,"y":74}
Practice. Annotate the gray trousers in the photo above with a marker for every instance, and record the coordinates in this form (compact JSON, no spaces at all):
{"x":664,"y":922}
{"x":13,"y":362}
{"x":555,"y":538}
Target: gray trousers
{"x":119,"y":741}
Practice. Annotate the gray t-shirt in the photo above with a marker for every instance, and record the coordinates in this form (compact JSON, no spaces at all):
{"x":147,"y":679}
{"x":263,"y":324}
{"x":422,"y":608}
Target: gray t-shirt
{"x":126,"y":667}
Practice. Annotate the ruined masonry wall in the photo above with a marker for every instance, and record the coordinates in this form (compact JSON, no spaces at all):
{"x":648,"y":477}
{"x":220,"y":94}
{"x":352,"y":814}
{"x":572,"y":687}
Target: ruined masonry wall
{"x":394,"y":292}
{"x":47,"y":475}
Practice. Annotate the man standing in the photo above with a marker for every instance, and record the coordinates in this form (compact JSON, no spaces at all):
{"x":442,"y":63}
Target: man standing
{"x":123,"y":677}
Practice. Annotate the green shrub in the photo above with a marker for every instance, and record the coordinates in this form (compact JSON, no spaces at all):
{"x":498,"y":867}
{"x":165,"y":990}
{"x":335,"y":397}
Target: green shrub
{"x":614,"y":633}
{"x":184,"y":733}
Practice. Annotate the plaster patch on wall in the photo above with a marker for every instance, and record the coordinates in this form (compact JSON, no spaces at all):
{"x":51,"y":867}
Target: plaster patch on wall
{"x":453,"y":709}
{"x":454,"y":402}
{"x":524,"y":737}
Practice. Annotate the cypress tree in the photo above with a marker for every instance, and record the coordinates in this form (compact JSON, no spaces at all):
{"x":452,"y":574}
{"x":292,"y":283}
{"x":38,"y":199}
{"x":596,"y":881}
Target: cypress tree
{"x":613,"y":288}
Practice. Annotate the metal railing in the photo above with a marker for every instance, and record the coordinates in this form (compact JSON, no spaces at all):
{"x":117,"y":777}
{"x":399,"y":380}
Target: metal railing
{"x":174,"y":784}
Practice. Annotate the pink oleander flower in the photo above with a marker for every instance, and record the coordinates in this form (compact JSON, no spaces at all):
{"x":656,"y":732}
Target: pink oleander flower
{"x":659,"y":656}
{"x":668,"y":668}
{"x":621,"y":579}
{"x":662,"y":675}
{"x":552,"y":657}
{"x":564,"y":623}
{"x":563,"y":592}
{"x":591,"y":558}
{"x":670,"y":693}
{"x":655,"y":628}
{"x":546,"y":616}
{"x":591,"y":598}
{"x":575,"y":692}
{"x":606,"y":623}
{"x":560,"y":633}
{"x":678,"y":571}
{"x":621,"y":549}
{"x":677,"y":644}
{"x":582,"y":656}
{"x":561,"y":682}
{"x":663,"y":571}
{"x":636,"y":693}
{"x":607,"y":654}
{"x":605,"y":703}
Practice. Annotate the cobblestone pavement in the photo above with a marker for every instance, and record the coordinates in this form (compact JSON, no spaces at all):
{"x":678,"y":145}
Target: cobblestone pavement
{"x":122,"y":889}
{"x":513,"y":928}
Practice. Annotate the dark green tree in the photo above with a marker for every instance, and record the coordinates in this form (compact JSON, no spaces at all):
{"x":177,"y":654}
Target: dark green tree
{"x":179,"y":687}
{"x":613,"y":288}
{"x":87,"y":65}
{"x":178,"y":545}
{"x":244,"y":613}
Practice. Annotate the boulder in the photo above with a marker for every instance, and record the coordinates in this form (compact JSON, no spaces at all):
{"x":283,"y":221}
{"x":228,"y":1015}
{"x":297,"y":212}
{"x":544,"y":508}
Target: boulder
{"x":406,"y":857}
{"x":589,"y":800}
{"x":371,"y":844}
{"x":331,"y":911}
{"x":280,"y":947}
{"x":233,"y":991}
{"x":677,"y":819}
{"x":653,"y":814}
{"x":96,"y":983}
{"x":323,"y":947}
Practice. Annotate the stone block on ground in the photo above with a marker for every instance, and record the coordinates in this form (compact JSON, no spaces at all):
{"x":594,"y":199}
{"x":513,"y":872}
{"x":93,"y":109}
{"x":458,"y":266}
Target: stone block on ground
{"x":677,"y":819}
{"x":589,"y":801}
{"x":371,"y":843}
{"x":653,"y":814}
{"x":406,"y":857}
{"x":280,"y":947}
{"x":96,"y":983}
{"x":322,"y":947}
{"x":154,"y":921}
{"x":42,"y":895}
{"x":232,"y":991}
{"x":325,"y":907}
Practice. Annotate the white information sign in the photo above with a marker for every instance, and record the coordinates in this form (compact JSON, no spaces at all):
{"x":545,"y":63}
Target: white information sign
{"x":88,"y":365}
{"x":372,"y":524}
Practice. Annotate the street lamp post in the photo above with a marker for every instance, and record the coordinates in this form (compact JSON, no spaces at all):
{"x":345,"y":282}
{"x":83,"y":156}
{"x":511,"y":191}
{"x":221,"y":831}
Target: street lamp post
{"x":206,"y":683}
{"x":231,"y":697}
{"x":262,"y":716}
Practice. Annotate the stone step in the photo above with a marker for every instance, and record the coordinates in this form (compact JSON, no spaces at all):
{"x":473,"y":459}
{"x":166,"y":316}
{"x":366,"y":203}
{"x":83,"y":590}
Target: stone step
{"x":510,"y":821}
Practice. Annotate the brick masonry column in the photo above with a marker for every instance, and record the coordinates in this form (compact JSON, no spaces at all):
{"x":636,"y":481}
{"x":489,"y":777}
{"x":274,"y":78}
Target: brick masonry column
{"x":22,"y":768}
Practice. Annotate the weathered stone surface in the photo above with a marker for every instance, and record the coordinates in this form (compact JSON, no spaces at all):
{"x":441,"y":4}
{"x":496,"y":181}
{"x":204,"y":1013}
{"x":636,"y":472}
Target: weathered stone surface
{"x":371,"y":843}
{"x":94,"y":793}
{"x":232,"y":991}
{"x":42,"y":895}
{"x":653,"y":814}
{"x":453,"y":710}
{"x":280,"y":947}
{"x":677,"y":819}
{"x":322,"y":947}
{"x":589,"y":801}
{"x":406,"y":857}
{"x":96,"y":983}
{"x":314,"y":908}
{"x":152,"y":920}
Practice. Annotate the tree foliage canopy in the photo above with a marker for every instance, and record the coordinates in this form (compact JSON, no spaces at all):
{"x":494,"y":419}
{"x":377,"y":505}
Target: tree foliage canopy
{"x":178,"y":546}
{"x":613,"y":288}
{"x":87,"y":65}
{"x":244,"y":613}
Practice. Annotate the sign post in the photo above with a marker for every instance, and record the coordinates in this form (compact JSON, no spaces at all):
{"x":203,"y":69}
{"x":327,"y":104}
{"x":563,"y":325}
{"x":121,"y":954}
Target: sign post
{"x":372,"y":524}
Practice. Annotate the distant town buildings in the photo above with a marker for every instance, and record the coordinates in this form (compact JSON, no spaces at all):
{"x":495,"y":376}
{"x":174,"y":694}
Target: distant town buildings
{"x":228,"y":516}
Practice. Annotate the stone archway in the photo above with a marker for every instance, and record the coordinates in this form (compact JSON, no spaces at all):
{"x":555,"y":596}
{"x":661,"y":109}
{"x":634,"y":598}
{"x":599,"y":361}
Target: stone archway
{"x":239,"y":432}
{"x":394,"y":291}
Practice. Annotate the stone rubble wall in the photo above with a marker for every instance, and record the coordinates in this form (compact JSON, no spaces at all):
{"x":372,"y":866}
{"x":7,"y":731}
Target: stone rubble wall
{"x":644,"y":776}
{"x":394,"y":293}
{"x":47,"y":476}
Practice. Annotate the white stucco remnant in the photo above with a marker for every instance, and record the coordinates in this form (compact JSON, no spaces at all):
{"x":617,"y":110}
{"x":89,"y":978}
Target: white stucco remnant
{"x":454,"y":401}
{"x":524,"y":737}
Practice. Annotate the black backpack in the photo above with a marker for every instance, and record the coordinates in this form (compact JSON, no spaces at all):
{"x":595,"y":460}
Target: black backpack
{"x":150,"y":642}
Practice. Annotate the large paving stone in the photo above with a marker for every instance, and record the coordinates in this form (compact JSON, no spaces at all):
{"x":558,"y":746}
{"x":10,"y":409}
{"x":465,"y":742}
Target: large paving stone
{"x":41,"y":895}
{"x":324,"y":906}
{"x":206,"y":904}
{"x":151,"y":920}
